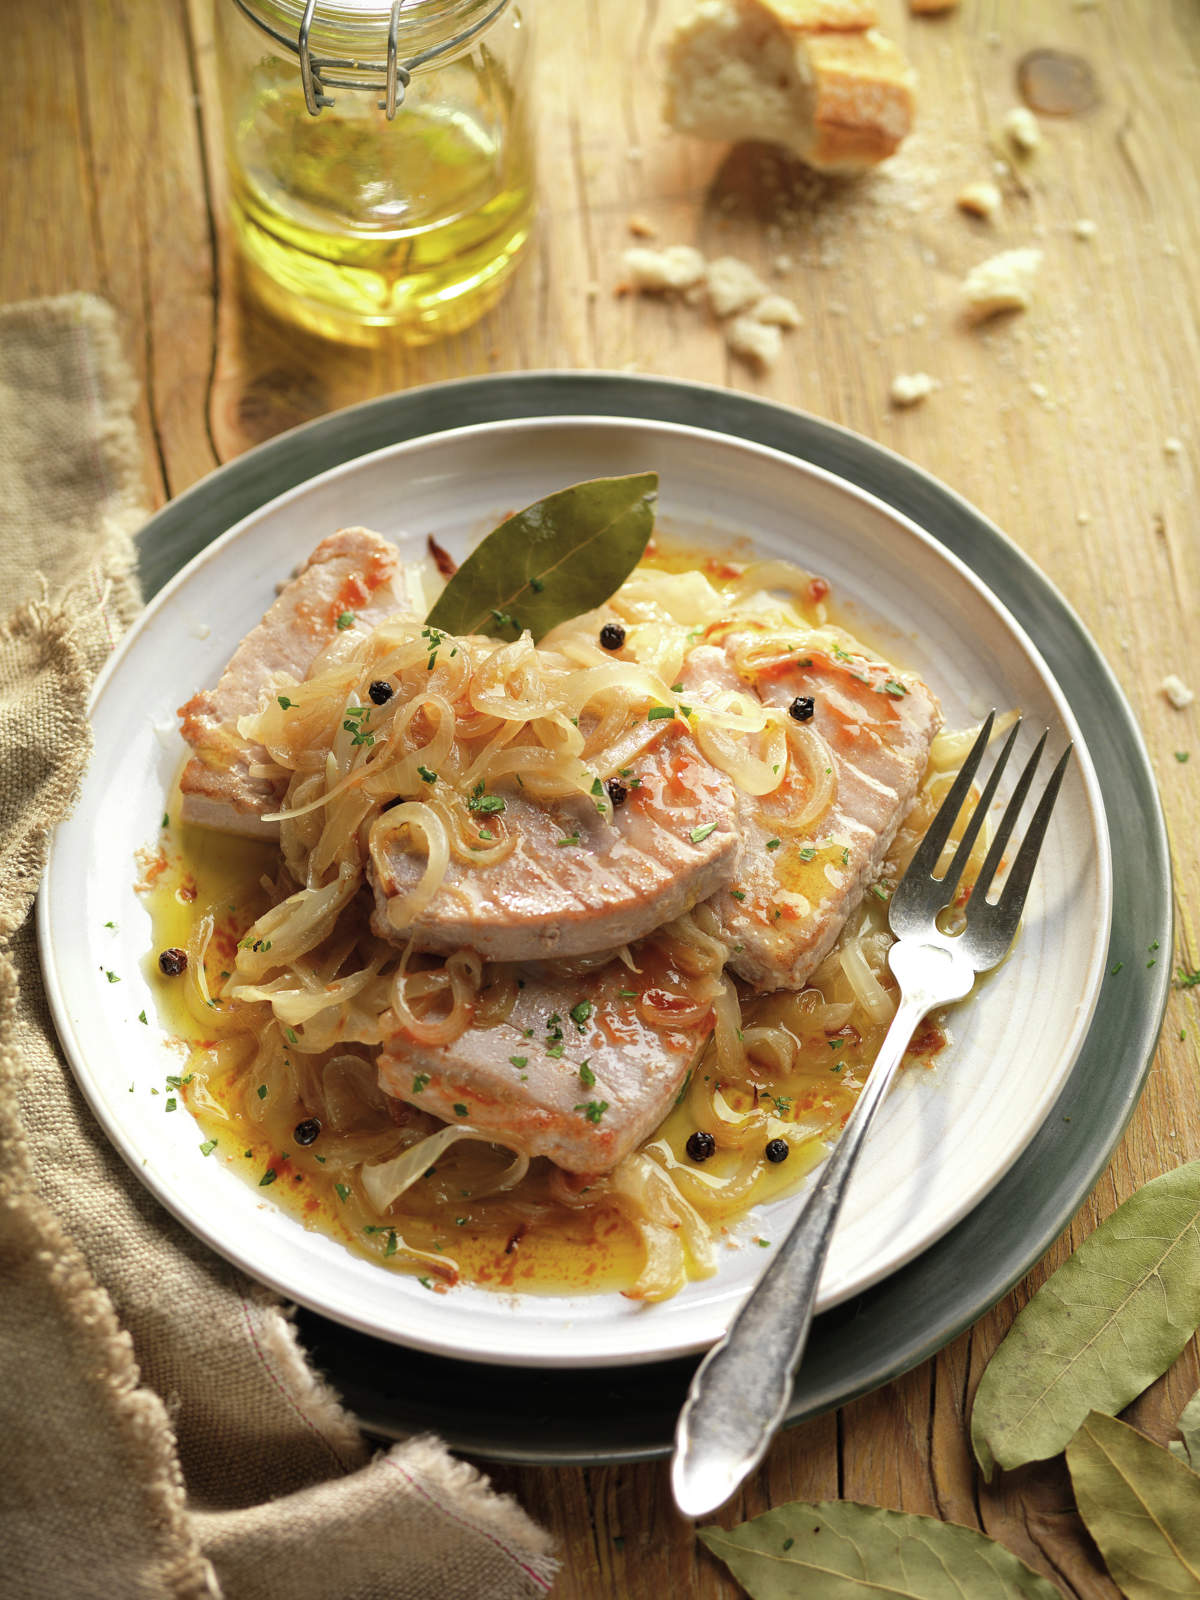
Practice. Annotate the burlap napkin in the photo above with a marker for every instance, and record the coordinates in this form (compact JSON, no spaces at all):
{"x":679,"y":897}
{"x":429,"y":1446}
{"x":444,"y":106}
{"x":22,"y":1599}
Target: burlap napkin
{"x":162,"y":1434}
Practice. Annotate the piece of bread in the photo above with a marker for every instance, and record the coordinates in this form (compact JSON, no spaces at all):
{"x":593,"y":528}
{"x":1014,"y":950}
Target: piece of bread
{"x":812,"y":75}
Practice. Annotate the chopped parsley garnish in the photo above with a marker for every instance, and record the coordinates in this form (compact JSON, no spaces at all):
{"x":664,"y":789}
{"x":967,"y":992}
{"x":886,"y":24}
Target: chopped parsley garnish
{"x":586,"y":1076}
{"x":429,"y":777}
{"x":505,"y":620}
{"x":554,"y":1050}
{"x":657,"y":713}
{"x":1181,"y":756}
{"x":346,"y":620}
{"x":426,"y":1283}
{"x":284,"y":705}
{"x":267,"y":1178}
{"x":881,"y":890}
{"x":342,"y":1190}
{"x":291,"y":1035}
{"x":112,"y":977}
{"x":537,"y":585}
{"x":518,"y":1061}
{"x":174,"y":1081}
{"x":773,"y":844}
{"x":807,"y":853}
{"x":594,"y":1109}
{"x":846,"y":856}
{"x":893,"y":688}
{"x":490,"y":804}
{"x":207,"y":1148}
{"x":1114,"y":970}
{"x":1187,"y":980}
{"x":460,"y":1110}
{"x":171,"y":1103}
{"x":420,"y":1081}
{"x":627,"y":994}
{"x":567,"y":838}
{"x":356,"y":725}
{"x":702,"y":832}
{"x":835,"y":1044}
{"x":840,"y":654}
{"x":580,"y":1013}
{"x":142,"y":1017}
{"x":486,"y":836}
{"x":262,"y":1091}
{"x":390,"y":1248}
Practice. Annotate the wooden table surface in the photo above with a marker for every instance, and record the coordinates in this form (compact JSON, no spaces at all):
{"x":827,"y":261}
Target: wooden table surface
{"x":1073,"y":426}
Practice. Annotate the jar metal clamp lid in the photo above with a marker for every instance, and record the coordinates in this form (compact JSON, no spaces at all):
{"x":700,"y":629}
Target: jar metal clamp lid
{"x":316,"y":72}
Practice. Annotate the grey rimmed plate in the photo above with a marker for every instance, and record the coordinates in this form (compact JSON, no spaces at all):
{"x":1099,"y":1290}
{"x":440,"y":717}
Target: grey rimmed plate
{"x":618,"y":1413}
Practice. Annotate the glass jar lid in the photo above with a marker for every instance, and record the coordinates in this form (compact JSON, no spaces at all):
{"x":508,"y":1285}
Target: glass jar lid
{"x":379,"y":46}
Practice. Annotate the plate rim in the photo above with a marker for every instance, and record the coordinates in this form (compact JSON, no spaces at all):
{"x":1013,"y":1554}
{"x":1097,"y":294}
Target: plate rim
{"x":348,"y":434}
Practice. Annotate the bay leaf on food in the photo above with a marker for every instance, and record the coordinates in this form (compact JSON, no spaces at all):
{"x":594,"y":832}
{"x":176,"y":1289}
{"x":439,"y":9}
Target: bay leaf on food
{"x":1142,"y":1507}
{"x":1187,"y":1446}
{"x":839,"y":1550}
{"x":559,"y":557}
{"x":1100,"y":1330}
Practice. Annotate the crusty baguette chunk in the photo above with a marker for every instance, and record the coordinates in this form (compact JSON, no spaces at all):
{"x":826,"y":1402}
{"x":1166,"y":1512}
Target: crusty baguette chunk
{"x":811,"y":75}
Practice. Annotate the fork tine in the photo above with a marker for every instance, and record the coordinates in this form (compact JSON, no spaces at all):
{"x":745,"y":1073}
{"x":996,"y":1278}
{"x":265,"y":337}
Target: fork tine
{"x":929,"y":851}
{"x":949,"y":879}
{"x":1012,"y":897}
{"x":1007,"y":822}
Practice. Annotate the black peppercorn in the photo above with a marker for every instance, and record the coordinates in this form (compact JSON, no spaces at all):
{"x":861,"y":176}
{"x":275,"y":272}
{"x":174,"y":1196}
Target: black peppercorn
{"x":777,"y":1150}
{"x":381,"y":691}
{"x":617,"y":792}
{"x":173,"y":962}
{"x":700,"y":1145}
{"x":612,"y":635}
{"x":802,"y":707}
{"x":305,"y":1132}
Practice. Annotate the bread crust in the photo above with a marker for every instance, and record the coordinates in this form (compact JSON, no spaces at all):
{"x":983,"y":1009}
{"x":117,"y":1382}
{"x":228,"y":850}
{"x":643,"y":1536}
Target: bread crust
{"x":815,"y":76}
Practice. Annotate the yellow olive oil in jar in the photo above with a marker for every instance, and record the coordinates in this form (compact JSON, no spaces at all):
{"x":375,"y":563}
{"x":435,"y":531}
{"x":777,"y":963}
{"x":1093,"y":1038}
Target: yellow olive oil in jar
{"x":381,"y":164}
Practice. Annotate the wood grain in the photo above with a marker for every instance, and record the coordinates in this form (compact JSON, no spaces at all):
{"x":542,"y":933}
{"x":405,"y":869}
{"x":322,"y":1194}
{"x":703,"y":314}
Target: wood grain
{"x":1055,"y":424}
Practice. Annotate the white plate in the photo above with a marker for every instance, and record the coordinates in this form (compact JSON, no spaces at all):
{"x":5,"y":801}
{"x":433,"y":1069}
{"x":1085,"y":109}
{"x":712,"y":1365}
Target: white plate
{"x":943,"y":1138}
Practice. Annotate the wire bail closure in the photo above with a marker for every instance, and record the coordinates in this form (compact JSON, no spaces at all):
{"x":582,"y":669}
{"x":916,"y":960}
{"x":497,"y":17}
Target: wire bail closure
{"x":316,"y":72}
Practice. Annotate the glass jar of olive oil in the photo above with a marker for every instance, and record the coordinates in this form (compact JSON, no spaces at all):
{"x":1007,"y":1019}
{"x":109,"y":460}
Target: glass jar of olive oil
{"x":381,"y":163}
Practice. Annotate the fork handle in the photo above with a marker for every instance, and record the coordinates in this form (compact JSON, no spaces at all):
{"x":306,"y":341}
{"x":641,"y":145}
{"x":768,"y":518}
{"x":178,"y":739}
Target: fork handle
{"x":741,"y":1389}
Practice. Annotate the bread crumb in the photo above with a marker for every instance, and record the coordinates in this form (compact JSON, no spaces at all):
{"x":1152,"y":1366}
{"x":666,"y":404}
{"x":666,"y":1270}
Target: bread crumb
{"x":1176,"y":691}
{"x":650,"y":271}
{"x":776,"y":309}
{"x":1084,"y":228}
{"x":732,"y":285}
{"x":910,"y":388}
{"x":641,"y":227}
{"x":1173,"y":446}
{"x":1022,"y":131}
{"x":981,"y":199}
{"x":759,"y":342}
{"x":1003,"y":282}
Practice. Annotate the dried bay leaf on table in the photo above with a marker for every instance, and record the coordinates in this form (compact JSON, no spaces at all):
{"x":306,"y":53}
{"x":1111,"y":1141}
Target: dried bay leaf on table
{"x":552,"y":561}
{"x":1109,"y":1322}
{"x":1187,"y":1446}
{"x":1142,"y":1507}
{"x":838,"y":1550}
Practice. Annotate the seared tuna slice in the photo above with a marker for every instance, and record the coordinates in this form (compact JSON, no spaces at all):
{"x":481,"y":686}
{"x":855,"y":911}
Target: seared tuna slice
{"x":352,"y":574}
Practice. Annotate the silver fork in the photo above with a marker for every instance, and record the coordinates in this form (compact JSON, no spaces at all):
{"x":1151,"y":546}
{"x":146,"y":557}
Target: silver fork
{"x":741,"y":1389}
